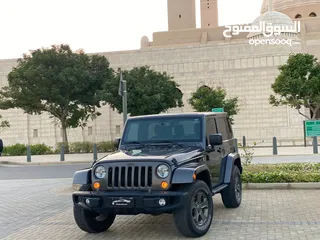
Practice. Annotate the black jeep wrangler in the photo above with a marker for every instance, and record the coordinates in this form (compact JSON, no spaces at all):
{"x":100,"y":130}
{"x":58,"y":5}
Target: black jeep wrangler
{"x":165,"y":163}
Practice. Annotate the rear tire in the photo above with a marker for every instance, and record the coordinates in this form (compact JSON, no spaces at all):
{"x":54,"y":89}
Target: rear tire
{"x":232,"y":195}
{"x":194,"y":219}
{"x":92,"y":222}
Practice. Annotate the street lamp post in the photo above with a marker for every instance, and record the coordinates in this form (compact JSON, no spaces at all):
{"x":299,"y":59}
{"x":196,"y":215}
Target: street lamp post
{"x":123,"y":94}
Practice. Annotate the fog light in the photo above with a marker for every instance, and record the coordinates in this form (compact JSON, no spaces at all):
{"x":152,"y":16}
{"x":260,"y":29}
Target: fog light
{"x":96,"y":185}
{"x":88,"y":201}
{"x":162,"y":202}
{"x":164,"y":185}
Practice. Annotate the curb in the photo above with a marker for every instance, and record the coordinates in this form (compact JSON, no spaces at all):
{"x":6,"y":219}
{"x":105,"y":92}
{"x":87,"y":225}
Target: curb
{"x":42,"y":163}
{"x":271,"y":186}
{"x":286,"y":155}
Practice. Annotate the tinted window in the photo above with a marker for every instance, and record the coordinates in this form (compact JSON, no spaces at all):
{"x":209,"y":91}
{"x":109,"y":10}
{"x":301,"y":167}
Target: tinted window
{"x":210,"y":128}
{"x":223,"y":128}
{"x":167,"y":128}
{"x":229,"y":129}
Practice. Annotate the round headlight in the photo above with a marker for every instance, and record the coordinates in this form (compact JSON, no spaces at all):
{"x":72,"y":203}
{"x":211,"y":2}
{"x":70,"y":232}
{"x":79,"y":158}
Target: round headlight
{"x":100,"y":172}
{"x":163,"y":171}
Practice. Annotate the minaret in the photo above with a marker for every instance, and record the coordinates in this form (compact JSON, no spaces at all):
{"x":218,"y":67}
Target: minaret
{"x":209,"y":13}
{"x":181,"y":14}
{"x":270,"y":6}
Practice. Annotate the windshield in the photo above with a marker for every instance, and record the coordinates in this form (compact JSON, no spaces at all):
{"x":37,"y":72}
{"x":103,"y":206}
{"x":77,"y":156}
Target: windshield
{"x":180,"y":129}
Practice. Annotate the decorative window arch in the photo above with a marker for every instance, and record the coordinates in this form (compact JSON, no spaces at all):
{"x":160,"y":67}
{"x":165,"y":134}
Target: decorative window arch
{"x":203,"y":86}
{"x":298,"y":16}
{"x":312,"y":14}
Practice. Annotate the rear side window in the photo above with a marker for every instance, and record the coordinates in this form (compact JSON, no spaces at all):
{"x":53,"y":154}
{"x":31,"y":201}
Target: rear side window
{"x":224,"y":128}
{"x":229,"y":129}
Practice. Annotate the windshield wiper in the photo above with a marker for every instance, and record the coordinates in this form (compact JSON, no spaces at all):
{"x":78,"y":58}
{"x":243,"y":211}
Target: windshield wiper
{"x":135,"y":143}
{"x":168,"y":142}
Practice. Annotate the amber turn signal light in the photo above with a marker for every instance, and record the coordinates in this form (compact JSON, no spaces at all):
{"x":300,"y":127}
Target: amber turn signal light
{"x":96,"y":185}
{"x":164,"y":185}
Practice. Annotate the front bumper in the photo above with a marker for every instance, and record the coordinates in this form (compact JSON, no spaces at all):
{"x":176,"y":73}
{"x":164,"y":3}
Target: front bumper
{"x":129,"y":202}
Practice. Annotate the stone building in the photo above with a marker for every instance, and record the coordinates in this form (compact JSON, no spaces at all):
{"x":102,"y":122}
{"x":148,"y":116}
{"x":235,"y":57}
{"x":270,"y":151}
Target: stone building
{"x":201,"y":56}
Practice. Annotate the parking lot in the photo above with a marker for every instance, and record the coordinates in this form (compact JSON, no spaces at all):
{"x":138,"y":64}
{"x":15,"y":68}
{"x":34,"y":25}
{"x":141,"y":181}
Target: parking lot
{"x":42,"y":209}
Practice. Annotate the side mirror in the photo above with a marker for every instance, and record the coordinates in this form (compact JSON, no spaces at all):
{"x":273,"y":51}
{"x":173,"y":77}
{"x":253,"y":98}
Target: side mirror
{"x":116,"y":143}
{"x":215,"y":139}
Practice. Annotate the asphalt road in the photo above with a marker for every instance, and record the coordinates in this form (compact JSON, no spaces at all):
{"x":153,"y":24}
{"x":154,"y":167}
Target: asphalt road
{"x":67,"y":170}
{"x":39,"y":171}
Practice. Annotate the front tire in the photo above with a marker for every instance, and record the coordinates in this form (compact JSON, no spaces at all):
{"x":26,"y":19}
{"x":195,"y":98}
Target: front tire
{"x":194,"y":219}
{"x":92,"y":222}
{"x":232,"y":195}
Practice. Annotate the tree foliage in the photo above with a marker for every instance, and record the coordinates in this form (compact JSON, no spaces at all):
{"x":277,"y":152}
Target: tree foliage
{"x":298,"y":84}
{"x":148,"y":92}
{"x":205,"y":98}
{"x":4,"y":124}
{"x":63,"y":83}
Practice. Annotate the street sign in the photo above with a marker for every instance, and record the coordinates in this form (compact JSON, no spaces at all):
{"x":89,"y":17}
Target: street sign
{"x":217,"y":110}
{"x":312,"y":128}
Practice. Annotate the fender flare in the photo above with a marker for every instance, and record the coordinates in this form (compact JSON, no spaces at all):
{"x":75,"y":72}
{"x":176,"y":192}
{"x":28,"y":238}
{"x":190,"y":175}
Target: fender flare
{"x":230,"y":161}
{"x":82,"y":177}
{"x":184,"y":174}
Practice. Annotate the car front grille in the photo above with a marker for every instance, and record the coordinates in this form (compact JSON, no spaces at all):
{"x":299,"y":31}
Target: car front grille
{"x":129,"y":177}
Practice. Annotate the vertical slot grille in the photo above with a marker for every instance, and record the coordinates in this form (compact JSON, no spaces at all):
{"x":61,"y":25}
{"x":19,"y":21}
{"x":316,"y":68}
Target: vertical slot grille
{"x":127,"y":177}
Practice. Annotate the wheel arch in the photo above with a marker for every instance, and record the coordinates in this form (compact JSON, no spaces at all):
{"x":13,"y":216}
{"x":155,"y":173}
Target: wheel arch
{"x":190,"y":173}
{"x":237,"y":162}
{"x":232,"y":159}
{"x":82,"y":179}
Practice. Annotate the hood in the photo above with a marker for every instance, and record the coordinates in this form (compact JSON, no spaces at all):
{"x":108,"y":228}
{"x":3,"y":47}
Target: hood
{"x":179,"y":154}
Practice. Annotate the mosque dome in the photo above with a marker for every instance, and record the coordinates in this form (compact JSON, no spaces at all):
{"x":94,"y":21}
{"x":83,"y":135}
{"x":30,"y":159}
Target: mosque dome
{"x":144,"y":42}
{"x":273,"y":18}
{"x":294,"y":8}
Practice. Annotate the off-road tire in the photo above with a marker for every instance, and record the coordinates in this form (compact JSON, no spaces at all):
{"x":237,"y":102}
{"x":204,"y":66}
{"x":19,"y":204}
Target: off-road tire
{"x":232,"y":195}
{"x":184,"y":217}
{"x":88,"y":222}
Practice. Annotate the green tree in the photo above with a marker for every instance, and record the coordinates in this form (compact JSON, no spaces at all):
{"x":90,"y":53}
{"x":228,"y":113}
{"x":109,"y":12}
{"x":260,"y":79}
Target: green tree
{"x":298,"y":84}
{"x":58,"y":81}
{"x":4,"y":124}
{"x":205,"y":98}
{"x":148,"y":92}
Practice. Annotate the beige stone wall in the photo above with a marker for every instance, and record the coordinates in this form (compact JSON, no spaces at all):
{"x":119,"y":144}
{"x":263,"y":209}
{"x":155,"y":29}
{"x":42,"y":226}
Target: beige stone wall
{"x":243,"y":70}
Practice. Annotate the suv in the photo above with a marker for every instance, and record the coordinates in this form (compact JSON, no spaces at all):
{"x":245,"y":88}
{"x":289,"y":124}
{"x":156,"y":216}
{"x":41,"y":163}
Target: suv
{"x":165,"y":163}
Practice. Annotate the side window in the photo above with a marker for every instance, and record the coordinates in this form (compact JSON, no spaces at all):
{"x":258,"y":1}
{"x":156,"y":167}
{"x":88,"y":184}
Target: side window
{"x":229,"y":129}
{"x":211,"y":128}
{"x":223,"y":128}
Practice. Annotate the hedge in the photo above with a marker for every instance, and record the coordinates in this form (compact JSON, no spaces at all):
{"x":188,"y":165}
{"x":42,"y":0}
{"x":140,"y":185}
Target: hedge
{"x":42,"y":149}
{"x":21,"y":149}
{"x":87,"y":147}
{"x":281,"y":173}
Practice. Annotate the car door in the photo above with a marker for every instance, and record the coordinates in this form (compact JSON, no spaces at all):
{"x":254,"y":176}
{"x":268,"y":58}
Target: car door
{"x":213,"y":158}
{"x":227,"y":138}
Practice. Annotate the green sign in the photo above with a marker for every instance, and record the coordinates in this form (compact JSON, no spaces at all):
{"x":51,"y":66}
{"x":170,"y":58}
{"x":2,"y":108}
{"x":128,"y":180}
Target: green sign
{"x":217,"y":110}
{"x":312,"y":128}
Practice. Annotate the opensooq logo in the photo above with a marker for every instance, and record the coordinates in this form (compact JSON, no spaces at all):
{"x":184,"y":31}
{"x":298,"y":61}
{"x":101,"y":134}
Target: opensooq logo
{"x":267,"y":30}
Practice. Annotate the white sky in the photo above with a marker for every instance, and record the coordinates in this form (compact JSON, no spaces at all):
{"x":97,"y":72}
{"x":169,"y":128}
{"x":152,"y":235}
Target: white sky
{"x":96,"y":25}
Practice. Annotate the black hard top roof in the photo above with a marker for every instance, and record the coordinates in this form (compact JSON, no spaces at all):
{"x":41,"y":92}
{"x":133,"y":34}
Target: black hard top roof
{"x":187,"y":114}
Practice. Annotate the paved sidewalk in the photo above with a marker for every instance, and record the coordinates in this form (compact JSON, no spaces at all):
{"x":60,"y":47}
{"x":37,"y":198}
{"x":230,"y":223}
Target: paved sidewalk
{"x":42,"y":209}
{"x":39,"y":159}
{"x":261,"y":155}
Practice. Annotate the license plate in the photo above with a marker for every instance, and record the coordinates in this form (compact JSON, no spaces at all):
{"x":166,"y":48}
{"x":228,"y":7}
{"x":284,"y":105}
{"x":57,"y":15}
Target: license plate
{"x":121,"y":202}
